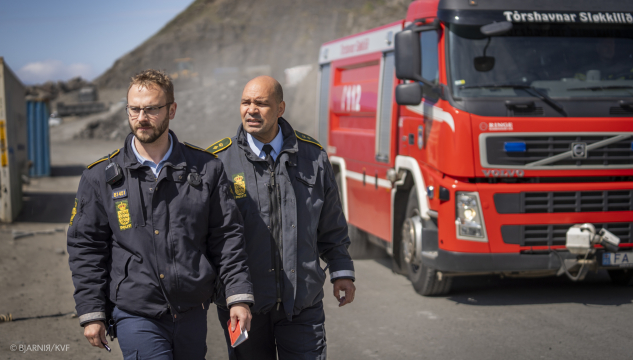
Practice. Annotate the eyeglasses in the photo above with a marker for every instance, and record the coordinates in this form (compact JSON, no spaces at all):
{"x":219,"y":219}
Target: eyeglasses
{"x":134,"y":112}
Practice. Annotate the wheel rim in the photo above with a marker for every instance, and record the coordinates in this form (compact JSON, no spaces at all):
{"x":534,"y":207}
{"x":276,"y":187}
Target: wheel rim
{"x":408,"y":241}
{"x":411,"y":230}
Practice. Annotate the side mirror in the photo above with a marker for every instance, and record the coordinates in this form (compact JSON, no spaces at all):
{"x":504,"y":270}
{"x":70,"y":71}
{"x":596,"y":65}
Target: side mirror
{"x":408,"y":57}
{"x":409,"y":94}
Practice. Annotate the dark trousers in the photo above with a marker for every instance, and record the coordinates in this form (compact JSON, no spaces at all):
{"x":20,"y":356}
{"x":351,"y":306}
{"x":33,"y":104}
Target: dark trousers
{"x":272,"y":334}
{"x":162,"y":339}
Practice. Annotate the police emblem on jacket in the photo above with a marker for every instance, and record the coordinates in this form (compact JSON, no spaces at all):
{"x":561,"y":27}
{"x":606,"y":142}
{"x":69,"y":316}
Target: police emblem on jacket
{"x":240,"y":186}
{"x":123,"y":214}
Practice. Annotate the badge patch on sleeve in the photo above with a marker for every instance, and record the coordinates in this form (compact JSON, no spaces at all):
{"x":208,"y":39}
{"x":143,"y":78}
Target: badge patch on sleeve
{"x":239,"y":185}
{"x":72,"y":215}
{"x":119,"y":194}
{"x":123,"y":213}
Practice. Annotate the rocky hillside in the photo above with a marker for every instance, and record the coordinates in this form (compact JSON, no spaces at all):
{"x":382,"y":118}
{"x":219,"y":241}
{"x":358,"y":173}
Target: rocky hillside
{"x":214,"y":46}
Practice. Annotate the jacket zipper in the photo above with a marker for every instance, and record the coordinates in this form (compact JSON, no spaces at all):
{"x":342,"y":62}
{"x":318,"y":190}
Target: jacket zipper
{"x":274,"y":197}
{"x":160,"y":281}
{"x":280,"y":250}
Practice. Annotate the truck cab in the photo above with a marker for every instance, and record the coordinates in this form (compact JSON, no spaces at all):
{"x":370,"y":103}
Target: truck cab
{"x":473,"y":136}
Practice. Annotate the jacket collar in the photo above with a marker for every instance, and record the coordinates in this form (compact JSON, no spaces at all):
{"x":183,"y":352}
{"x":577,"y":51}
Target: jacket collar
{"x":290,"y":144}
{"x":175,"y":160}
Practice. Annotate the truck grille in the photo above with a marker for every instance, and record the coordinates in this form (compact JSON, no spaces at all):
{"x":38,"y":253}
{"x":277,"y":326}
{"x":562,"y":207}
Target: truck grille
{"x":564,"y":201}
{"x":618,"y":154}
{"x":551,"y":235}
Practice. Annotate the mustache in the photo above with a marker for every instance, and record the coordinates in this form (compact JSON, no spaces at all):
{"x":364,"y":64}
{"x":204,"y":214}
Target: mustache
{"x":147,"y":124}
{"x":250,"y":117}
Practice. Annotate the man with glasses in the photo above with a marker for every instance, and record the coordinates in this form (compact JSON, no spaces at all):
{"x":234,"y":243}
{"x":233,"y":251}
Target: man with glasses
{"x":154,"y":224}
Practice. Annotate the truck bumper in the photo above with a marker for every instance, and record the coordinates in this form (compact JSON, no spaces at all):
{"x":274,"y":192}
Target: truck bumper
{"x":459,"y":262}
{"x":449,"y":261}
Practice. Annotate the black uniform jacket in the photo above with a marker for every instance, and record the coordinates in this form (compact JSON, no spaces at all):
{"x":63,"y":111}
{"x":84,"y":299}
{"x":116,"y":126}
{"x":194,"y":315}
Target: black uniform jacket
{"x":152,"y":243}
{"x":312,"y":221}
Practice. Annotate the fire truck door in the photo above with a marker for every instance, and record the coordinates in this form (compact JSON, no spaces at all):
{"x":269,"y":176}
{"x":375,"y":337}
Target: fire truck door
{"x":369,"y":192}
{"x":385,"y":114}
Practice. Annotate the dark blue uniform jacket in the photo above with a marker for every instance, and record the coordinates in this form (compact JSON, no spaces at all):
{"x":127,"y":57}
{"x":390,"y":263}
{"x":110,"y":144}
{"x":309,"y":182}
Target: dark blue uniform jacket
{"x":312,"y":223}
{"x":150,"y":244}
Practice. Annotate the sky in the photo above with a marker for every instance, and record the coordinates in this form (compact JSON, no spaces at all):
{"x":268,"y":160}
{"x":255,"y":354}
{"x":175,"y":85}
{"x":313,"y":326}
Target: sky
{"x":45,"y":40}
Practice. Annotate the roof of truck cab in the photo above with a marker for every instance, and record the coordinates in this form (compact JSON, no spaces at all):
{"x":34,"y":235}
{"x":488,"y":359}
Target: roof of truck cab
{"x":420,"y":9}
{"x":362,"y":43}
{"x":544,"y":5}
{"x":363,"y":32}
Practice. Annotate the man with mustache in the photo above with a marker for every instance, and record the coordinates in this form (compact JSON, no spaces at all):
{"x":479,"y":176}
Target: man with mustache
{"x":154,"y":224}
{"x":284,"y":186}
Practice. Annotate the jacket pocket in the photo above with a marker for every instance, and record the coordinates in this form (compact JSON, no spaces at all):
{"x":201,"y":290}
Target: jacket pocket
{"x":196,"y":279}
{"x":219,"y":297}
{"x":321,"y":270}
{"x":126,"y":265}
{"x":307,"y":173}
{"x":306,"y":181}
{"x":211,"y":273}
{"x":206,"y":289}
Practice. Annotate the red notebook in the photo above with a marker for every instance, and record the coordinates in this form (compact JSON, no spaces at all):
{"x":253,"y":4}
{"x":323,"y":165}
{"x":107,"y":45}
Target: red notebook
{"x":239,"y":335}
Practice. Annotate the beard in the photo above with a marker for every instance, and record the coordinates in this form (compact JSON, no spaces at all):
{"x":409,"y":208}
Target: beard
{"x":149,"y":136}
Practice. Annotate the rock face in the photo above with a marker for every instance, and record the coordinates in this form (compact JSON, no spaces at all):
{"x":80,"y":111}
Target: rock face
{"x":51,"y":90}
{"x":215,"y":46}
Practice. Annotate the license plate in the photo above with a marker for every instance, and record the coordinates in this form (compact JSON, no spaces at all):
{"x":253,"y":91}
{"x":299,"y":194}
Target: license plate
{"x":623,"y":259}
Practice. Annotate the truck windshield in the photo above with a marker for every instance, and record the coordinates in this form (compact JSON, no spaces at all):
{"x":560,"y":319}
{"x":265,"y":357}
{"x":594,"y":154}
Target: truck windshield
{"x":560,"y":61}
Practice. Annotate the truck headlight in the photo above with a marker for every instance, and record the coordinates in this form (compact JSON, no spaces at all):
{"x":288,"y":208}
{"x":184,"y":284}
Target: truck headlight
{"x":468,"y":215}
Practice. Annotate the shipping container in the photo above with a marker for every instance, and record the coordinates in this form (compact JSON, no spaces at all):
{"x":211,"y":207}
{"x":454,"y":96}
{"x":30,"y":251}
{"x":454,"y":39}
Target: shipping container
{"x":38,"y":137}
{"x":13,"y":152}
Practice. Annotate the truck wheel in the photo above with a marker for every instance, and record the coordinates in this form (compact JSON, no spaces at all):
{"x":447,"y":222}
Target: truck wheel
{"x":621,"y":277}
{"x":360,"y":246}
{"x":424,"y":279}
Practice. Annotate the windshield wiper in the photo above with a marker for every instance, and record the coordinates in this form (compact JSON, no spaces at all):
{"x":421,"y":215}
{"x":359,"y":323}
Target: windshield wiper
{"x":537,"y":93}
{"x":596,"y":88}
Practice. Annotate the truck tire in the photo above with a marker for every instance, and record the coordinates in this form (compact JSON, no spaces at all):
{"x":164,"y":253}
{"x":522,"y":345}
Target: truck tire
{"x":424,"y":279}
{"x":621,"y":277}
{"x":360,"y":246}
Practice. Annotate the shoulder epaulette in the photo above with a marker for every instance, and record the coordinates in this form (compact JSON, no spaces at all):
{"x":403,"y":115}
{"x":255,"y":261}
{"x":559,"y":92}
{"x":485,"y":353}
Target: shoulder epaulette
{"x":104,"y":158}
{"x":220,"y":145}
{"x":199,"y":148}
{"x":307,"y":138}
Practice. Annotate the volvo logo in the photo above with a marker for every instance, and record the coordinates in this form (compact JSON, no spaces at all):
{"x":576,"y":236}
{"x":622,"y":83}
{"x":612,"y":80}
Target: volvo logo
{"x":578,"y":150}
{"x":497,"y":173}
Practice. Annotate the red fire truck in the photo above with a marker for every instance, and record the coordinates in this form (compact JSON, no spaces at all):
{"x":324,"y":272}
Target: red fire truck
{"x":486,"y":137}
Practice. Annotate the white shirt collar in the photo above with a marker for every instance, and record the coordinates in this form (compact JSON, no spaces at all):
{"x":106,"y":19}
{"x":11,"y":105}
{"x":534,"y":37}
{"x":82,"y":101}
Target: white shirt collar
{"x":155,"y":167}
